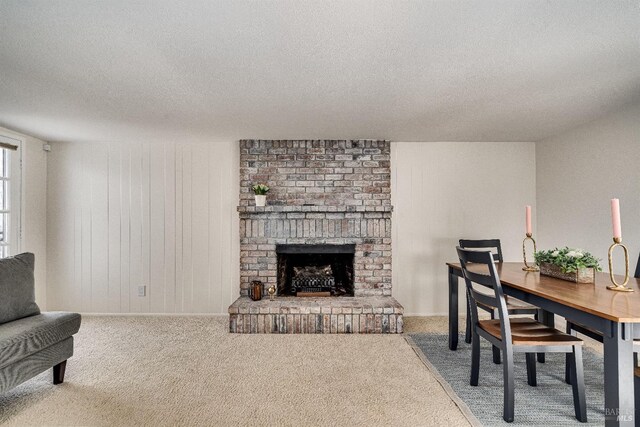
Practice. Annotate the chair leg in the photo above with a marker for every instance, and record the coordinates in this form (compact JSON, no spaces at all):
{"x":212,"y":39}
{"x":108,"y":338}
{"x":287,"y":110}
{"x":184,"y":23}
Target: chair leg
{"x":496,"y":355}
{"x":577,"y":384}
{"x":58,"y":372}
{"x":567,"y":368}
{"x":475,"y":359}
{"x":567,"y":363}
{"x":509,"y":387}
{"x":467,"y":333}
{"x":539,"y":316}
{"x":531,"y":369}
{"x":496,"y":350}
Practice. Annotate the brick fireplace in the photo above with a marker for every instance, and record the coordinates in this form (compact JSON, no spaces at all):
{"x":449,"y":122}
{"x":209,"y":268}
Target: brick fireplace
{"x":327,"y":197}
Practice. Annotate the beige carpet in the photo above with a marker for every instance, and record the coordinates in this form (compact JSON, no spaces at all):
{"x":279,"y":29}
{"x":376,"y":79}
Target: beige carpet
{"x":162,"y":371}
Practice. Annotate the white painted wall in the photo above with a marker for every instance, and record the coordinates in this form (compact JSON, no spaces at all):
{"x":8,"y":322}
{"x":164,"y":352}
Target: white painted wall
{"x":446,"y":191}
{"x":163,"y":215}
{"x":578,"y":172}
{"x":34,"y":207}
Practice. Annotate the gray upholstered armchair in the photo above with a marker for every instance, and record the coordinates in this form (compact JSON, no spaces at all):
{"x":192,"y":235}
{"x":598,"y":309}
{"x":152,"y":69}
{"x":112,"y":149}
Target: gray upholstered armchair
{"x":30,"y":342}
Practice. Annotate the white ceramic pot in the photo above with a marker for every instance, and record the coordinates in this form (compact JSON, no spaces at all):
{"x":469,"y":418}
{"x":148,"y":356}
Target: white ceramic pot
{"x":261,"y":200}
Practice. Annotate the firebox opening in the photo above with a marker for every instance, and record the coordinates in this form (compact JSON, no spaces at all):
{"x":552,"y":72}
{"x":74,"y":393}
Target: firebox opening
{"x":322,"y":270}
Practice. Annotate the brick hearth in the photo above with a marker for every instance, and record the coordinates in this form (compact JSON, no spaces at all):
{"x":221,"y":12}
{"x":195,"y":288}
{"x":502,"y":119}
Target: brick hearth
{"x":291,"y":315}
{"x":323,"y":192}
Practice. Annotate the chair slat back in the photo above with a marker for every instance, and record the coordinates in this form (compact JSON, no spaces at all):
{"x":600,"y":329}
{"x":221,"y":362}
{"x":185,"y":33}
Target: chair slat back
{"x":483,"y":298}
{"x":483,"y":244}
{"x":637,"y":275}
{"x":479,"y":267}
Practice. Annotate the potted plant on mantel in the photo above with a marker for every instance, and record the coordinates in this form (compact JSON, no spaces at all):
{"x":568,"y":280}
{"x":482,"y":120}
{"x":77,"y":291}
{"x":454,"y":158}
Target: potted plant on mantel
{"x":260,"y":191}
{"x":574,"y":265}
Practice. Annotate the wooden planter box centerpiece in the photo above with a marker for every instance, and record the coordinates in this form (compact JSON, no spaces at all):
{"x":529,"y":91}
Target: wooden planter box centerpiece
{"x":583,"y":275}
{"x":553,"y":261}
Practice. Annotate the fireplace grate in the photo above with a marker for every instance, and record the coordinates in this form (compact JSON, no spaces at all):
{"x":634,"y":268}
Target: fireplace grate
{"x":313,"y":284}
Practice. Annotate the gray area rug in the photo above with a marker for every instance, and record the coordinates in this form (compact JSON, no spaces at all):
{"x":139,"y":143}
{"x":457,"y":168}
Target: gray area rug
{"x":548,"y":404}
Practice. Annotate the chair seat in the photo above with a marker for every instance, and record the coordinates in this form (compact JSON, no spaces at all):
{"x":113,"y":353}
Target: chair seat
{"x":513,"y":304}
{"x":526,"y":331}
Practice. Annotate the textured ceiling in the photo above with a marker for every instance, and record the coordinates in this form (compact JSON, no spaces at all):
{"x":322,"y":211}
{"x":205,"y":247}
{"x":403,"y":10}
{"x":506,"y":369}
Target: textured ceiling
{"x":400,"y":70}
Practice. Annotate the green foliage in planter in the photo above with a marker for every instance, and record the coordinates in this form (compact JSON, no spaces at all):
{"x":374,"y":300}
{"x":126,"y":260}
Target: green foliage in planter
{"x":569,"y":260}
{"x":260,"y":189}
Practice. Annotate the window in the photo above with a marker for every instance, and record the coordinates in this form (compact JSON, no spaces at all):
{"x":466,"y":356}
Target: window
{"x":9,"y":196}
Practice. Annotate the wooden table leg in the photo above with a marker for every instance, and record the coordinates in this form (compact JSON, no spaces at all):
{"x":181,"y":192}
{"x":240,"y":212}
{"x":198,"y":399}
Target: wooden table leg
{"x":453,"y":310}
{"x":548,"y":318}
{"x":618,"y":375}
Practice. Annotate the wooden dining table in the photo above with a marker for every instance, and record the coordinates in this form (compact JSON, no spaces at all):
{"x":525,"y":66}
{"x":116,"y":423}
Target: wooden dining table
{"x":612,"y":313}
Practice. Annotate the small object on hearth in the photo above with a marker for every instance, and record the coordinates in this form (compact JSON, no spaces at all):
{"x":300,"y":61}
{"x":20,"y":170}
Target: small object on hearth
{"x":272,"y":292}
{"x":260,"y":191}
{"x":256,"y":290}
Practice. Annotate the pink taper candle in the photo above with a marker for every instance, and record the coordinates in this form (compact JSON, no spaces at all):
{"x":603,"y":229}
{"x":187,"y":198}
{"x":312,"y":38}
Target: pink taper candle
{"x":615,"y":218}
{"x":528,"y":219}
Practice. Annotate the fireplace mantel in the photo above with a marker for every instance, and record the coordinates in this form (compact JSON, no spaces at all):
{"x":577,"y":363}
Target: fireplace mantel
{"x":284,"y":209}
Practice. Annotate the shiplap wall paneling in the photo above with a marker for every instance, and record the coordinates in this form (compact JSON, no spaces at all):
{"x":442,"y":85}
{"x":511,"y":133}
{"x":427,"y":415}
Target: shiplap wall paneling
{"x":169,"y":241}
{"x":160,"y":215}
{"x":61,"y":240}
{"x":199,"y":227}
{"x":113,"y":238}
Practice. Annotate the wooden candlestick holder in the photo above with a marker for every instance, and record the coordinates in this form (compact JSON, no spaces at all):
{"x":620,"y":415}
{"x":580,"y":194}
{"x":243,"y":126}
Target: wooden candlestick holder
{"x":617,"y":241}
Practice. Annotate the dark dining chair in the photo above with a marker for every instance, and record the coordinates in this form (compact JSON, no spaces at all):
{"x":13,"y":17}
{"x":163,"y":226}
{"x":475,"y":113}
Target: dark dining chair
{"x":514,"y":306}
{"x":514,"y":335}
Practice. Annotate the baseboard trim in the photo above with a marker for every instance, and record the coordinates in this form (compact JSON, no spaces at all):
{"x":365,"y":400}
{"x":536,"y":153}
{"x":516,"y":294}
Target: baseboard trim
{"x":91,"y":314}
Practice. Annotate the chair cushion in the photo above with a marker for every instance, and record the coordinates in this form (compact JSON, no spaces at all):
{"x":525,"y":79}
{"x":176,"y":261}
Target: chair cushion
{"x":17,"y":292}
{"x":23,"y":337}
